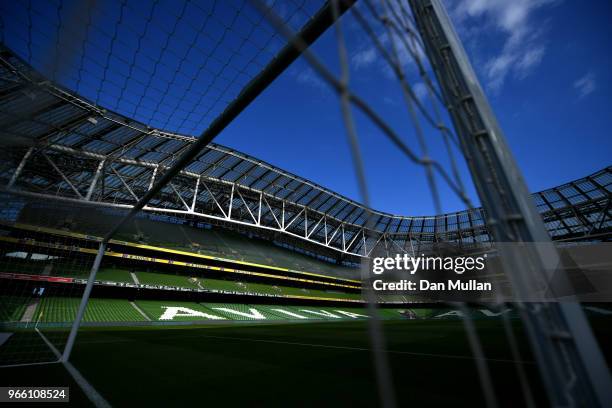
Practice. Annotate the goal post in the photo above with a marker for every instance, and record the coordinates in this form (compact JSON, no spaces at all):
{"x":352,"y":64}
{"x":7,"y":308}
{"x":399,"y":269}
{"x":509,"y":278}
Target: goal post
{"x":309,"y":34}
{"x":573,"y":367}
{"x":44,"y":263}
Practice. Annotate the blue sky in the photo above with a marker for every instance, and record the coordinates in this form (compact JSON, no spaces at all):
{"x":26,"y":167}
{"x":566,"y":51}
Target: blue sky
{"x":544,"y":64}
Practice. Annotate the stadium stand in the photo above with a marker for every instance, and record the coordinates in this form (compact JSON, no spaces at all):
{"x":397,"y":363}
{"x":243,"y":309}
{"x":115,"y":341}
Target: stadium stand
{"x":163,"y":231}
{"x":226,"y":285}
{"x":242,"y":311}
{"x":12,"y":308}
{"x":40,"y":264}
{"x":276,"y":310}
{"x":164,"y":279}
{"x":120,"y":275}
{"x":61,"y":309}
{"x":34,"y":259}
{"x":159,"y":279}
{"x":155,"y":309}
{"x":57,"y":310}
{"x":113,"y":275}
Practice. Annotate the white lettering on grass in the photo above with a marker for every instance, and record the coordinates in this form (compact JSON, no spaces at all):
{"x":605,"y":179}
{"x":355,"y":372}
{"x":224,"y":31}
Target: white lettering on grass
{"x":490,"y":313}
{"x":454,"y":313}
{"x":171,"y":312}
{"x":288,"y":313}
{"x":322,"y":313}
{"x":350,"y":314}
{"x":253,"y":313}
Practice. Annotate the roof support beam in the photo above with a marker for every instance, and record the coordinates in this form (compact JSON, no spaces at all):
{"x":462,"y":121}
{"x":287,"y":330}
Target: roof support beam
{"x":129,"y":189}
{"x":259,"y":208}
{"x":353,"y":239}
{"x":61,"y":173}
{"x":315,"y":227}
{"x":19,"y":168}
{"x":294,"y":218}
{"x":153,"y":175}
{"x":272,"y":212}
{"x":195,"y":194}
{"x":94,"y":181}
{"x":215,"y":199}
{"x":179,"y":196}
{"x":231,"y":202}
{"x":246,"y":205}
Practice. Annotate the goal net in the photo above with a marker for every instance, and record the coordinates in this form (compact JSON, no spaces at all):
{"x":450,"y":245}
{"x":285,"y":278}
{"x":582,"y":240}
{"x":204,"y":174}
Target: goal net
{"x":109,"y":113}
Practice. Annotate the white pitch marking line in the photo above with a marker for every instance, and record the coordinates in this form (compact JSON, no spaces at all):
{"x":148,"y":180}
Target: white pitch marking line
{"x":93,"y":395}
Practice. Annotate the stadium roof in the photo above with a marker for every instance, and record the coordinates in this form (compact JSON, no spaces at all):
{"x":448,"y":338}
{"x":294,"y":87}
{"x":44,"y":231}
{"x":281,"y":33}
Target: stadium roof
{"x":59,"y":144}
{"x":171,"y":64}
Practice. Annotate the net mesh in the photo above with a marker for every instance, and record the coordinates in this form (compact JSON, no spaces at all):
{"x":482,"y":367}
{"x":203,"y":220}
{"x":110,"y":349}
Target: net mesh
{"x":43,"y":259}
{"x":174,"y":67}
{"x":171,"y":65}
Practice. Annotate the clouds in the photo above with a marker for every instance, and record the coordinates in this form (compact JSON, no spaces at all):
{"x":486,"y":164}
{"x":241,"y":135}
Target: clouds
{"x":585,"y":85}
{"x":528,"y":61}
{"x":364,"y":57}
{"x":420,"y":90}
{"x":506,"y":39}
{"x":509,"y":42}
{"x":308,"y":77}
{"x":367,"y":56}
{"x":524,"y":45}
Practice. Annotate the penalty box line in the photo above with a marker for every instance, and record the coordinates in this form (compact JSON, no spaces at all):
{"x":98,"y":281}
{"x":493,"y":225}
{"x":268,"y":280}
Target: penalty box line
{"x":91,"y":393}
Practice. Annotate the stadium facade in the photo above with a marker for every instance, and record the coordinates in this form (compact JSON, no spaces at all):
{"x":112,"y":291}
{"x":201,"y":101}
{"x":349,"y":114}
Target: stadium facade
{"x":230,"y":228}
{"x":63,"y":147}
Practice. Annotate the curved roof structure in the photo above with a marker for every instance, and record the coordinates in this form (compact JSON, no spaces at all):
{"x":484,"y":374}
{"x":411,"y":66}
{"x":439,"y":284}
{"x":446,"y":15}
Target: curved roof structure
{"x":173,"y":65}
{"x":57,"y":144}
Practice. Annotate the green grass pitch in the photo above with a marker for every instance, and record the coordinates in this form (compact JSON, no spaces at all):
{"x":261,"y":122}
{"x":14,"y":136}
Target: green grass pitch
{"x":315,"y":364}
